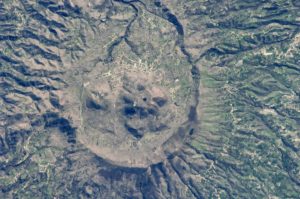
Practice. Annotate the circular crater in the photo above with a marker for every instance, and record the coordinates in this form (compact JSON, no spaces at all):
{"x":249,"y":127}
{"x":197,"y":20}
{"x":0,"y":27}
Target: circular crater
{"x":129,"y":116}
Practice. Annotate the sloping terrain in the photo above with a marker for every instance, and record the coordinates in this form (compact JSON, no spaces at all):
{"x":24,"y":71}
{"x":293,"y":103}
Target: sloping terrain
{"x":130,"y":99}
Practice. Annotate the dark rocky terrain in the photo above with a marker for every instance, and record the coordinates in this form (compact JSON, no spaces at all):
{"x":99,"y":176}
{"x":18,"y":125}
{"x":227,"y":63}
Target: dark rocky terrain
{"x":149,"y":99}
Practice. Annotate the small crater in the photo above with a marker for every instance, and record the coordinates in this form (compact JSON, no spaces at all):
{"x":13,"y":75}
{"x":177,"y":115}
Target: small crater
{"x":152,"y":111}
{"x":127,"y":100}
{"x":134,"y":132}
{"x":159,"y":101}
{"x":192,"y":131}
{"x":140,"y":87}
{"x":129,"y":111}
{"x":157,"y":128}
{"x":92,"y":104}
{"x":143,"y":113}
